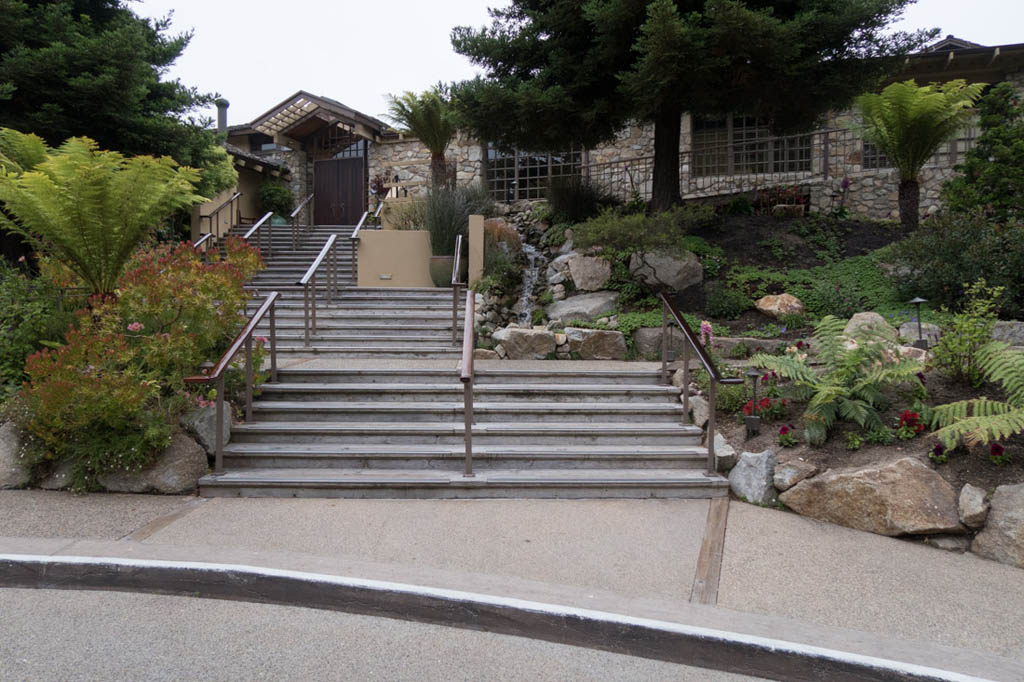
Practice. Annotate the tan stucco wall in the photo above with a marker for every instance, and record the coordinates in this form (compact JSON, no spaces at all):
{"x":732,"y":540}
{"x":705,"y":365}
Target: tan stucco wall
{"x":402,"y":254}
{"x":476,"y":247}
{"x":393,"y":207}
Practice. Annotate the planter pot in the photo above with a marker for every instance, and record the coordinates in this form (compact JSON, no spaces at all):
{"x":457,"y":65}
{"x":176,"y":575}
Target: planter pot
{"x":441,"y":270}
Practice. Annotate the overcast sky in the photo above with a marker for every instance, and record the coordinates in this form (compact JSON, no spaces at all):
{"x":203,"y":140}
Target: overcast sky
{"x":256,"y":53}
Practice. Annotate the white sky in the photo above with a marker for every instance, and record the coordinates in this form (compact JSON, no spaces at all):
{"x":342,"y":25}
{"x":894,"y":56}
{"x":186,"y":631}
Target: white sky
{"x":258,"y":52}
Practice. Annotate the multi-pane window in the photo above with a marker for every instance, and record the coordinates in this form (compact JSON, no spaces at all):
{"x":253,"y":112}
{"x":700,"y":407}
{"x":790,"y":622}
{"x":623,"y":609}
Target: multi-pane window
{"x":742,"y":145}
{"x":874,"y":158}
{"x":527,"y":175}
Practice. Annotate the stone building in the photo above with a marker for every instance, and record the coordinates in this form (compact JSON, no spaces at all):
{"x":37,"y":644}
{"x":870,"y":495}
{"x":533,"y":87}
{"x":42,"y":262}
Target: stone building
{"x":335,"y":152}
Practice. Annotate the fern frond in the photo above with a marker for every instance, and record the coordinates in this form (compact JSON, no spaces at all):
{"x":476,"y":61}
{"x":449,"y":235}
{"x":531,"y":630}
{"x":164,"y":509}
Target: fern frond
{"x":830,"y":342}
{"x":982,"y":430}
{"x":786,"y":366}
{"x":1006,"y":367}
{"x":950,"y":413}
{"x":860,"y":412}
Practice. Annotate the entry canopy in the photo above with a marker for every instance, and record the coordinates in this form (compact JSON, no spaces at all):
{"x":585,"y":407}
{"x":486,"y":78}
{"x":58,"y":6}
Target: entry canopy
{"x":303,"y":114}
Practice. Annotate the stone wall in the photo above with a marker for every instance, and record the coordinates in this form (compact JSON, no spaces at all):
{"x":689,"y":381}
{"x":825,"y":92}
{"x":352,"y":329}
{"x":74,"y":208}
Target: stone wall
{"x":409,"y":159}
{"x":874,"y":193}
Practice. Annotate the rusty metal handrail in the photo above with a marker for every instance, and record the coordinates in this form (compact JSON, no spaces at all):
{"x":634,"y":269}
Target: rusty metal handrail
{"x":308,"y":284}
{"x":468,"y":339}
{"x":354,"y":242}
{"x":216,"y":374}
{"x":714,"y":375}
{"x":295,"y":223}
{"x":257,"y":229}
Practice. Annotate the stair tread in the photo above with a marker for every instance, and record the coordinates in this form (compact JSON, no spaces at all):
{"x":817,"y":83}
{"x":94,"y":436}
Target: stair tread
{"x":453,"y":386}
{"x":457,"y":406}
{"x":457,"y":427}
{"x":459,"y":449}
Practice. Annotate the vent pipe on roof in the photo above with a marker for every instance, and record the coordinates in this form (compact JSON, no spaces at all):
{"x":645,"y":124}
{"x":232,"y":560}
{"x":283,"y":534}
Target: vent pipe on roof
{"x":222,"y":115}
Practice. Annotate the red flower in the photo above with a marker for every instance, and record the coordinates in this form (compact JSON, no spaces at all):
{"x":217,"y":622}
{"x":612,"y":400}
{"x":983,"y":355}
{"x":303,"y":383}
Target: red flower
{"x":784,"y":430}
{"x":997,"y":450}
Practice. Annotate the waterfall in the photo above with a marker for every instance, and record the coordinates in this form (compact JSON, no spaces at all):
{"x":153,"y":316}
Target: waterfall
{"x":530,"y":275}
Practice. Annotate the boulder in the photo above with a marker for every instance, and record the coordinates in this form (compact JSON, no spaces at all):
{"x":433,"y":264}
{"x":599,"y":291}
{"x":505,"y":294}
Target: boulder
{"x":525,"y":344}
{"x":751,"y":478}
{"x":596,"y":344}
{"x":725,"y":344}
{"x":1009,"y":331}
{"x":871,"y":324}
{"x":903,"y":497}
{"x":12,"y":473}
{"x":485,"y":354}
{"x":930,"y":332}
{"x":589,"y":273}
{"x":559,"y":266}
{"x":972,"y":506}
{"x":677,"y":378}
{"x":699,"y":410}
{"x":647,"y":341}
{"x":782,"y":304}
{"x":176,"y":470}
{"x":584,"y":307}
{"x":59,"y":478}
{"x":1003,"y":537}
{"x":949,"y":543}
{"x":660,"y":270}
{"x":792,"y":472}
{"x":202,"y":424}
{"x":725,"y":454}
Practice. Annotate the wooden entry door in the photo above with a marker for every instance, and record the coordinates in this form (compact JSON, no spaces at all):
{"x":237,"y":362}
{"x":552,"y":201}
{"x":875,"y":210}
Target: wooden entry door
{"x":340,"y":192}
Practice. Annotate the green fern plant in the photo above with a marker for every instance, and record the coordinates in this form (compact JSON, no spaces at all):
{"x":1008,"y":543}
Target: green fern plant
{"x":980,"y":421}
{"x":91,"y":208}
{"x":20,"y":152}
{"x":429,"y":117}
{"x":849,"y":385}
{"x":908,"y":123}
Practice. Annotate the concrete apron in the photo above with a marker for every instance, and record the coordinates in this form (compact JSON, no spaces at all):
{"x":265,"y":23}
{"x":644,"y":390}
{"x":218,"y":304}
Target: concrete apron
{"x":691,"y":634}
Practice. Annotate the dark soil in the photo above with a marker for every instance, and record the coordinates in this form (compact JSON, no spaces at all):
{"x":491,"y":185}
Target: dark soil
{"x":963,"y":466}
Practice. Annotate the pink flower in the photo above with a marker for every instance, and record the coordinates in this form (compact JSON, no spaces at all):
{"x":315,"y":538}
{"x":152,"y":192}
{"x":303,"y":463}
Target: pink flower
{"x":135,"y":327}
{"x":260,"y":339}
{"x":707,"y":334}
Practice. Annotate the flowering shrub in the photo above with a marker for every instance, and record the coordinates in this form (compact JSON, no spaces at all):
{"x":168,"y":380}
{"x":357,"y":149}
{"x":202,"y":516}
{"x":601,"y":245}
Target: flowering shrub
{"x":909,"y":425}
{"x":938,"y":454}
{"x":787,"y":438}
{"x":997,"y":455}
{"x":766,"y":408}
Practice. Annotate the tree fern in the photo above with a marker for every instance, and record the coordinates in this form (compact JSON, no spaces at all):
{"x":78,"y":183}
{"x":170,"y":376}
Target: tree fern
{"x":849,"y":385}
{"x":91,"y":208}
{"x":429,"y":117}
{"x":980,"y":421}
{"x":20,"y":152}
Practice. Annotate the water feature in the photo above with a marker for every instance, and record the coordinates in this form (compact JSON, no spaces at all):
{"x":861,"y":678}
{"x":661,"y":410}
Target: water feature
{"x":534,"y":262}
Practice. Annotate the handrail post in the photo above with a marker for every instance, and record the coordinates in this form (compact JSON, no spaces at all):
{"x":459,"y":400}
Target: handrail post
{"x":455,"y":314}
{"x":712,"y":403}
{"x":686,"y":383}
{"x":664,"y":343}
{"x":218,"y":462}
{"x":305,"y":311}
{"x":312,"y":299}
{"x":273,"y":343}
{"x":467,"y":399}
{"x":355,"y":280}
{"x":248,"y":378}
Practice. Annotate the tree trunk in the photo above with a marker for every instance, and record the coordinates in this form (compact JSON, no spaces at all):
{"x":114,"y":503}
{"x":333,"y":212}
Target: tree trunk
{"x":910,"y":204}
{"x":438,"y":170}
{"x":665,"y":186}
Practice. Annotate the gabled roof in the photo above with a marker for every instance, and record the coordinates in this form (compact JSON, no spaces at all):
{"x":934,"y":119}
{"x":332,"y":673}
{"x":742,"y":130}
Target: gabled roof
{"x":951,"y":42}
{"x":304,"y":113}
{"x":250,"y":160}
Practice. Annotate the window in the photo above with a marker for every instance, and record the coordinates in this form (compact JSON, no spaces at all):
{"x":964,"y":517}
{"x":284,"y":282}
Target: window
{"x":874,"y":158}
{"x":742,"y":145}
{"x":527,"y":175}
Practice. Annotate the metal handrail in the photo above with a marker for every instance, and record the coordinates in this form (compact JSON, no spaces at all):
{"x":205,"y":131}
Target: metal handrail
{"x":217,"y":372}
{"x":468,"y":339}
{"x":455,"y":289}
{"x":208,"y":237}
{"x":257,"y":229}
{"x":714,"y":375}
{"x":353,"y":244}
{"x":294,"y":218}
{"x":308,"y":284}
{"x":216,"y":214}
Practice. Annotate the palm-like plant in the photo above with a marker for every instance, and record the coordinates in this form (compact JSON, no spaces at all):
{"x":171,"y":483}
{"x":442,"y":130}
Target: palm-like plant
{"x":849,"y":386}
{"x":90,"y":208}
{"x":908,"y":123}
{"x":428,"y":117}
{"x":20,"y":152}
{"x":980,"y":420}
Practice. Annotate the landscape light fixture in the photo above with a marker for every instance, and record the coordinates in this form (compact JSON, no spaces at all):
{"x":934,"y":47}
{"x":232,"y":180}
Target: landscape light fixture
{"x":921,"y":342}
{"x":753,"y":422}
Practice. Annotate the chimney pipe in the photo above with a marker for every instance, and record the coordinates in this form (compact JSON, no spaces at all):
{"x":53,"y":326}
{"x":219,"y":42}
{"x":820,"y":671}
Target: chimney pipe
{"x":222,"y":115}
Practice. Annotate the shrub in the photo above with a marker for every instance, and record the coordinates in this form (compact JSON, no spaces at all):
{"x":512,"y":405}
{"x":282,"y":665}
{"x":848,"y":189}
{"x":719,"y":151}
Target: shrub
{"x":555,"y":236}
{"x":849,"y":387}
{"x":445,"y":214}
{"x":637,"y":233}
{"x":964,"y":334}
{"x":952,"y":248}
{"x":573,"y":199}
{"x":712,"y":257}
{"x":502,"y":259}
{"x":765,"y":199}
{"x":275,"y":197}
{"x":725,"y":302}
{"x":741,"y":205}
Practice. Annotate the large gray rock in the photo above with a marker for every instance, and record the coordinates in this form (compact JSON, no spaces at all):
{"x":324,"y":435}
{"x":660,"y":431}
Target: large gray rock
{"x":699,"y":410}
{"x":59,"y":478}
{"x":176,"y":470}
{"x":587,"y":307}
{"x":871,"y":324}
{"x":751,"y":478}
{"x":485,"y":354}
{"x":1009,"y":331}
{"x":660,"y":270}
{"x":725,"y":345}
{"x":559,"y":266}
{"x":903,"y":497}
{"x":792,"y":472}
{"x":930,"y":332}
{"x":949,"y":543}
{"x":972,"y":505}
{"x":647,"y":341}
{"x":1003,"y":537}
{"x":202,"y":424}
{"x":12,"y":473}
{"x":589,"y":273}
{"x":725,"y":454}
{"x":596,"y":344}
{"x":525,"y":344}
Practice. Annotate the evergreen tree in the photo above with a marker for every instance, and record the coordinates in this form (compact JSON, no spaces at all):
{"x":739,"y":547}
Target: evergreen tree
{"x":561,"y":72}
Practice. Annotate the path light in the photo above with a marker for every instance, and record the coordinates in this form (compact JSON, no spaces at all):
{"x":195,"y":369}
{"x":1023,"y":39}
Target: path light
{"x":205,"y":368}
{"x":921,"y":342}
{"x":753,"y":422}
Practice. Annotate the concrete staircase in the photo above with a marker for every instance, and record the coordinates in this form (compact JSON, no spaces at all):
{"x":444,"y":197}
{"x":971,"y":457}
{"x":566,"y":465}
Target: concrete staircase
{"x":368,"y":429}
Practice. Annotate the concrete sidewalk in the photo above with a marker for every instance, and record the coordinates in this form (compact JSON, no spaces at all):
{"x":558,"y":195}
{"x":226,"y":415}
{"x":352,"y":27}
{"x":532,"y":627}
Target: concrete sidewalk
{"x":778,"y":570}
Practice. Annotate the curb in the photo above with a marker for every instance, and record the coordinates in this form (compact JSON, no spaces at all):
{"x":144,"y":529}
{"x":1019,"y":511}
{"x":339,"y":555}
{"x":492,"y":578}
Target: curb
{"x":647,"y":638}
